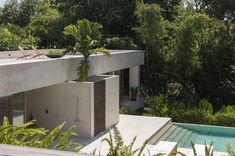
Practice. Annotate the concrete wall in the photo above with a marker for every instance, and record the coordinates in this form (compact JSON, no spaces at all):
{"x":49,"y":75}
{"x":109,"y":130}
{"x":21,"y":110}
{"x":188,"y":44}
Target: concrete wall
{"x":112,"y":101}
{"x":24,"y":75}
{"x":72,"y":102}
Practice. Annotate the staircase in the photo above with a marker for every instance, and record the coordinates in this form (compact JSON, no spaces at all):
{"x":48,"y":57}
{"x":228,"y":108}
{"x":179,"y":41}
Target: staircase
{"x":180,"y":135}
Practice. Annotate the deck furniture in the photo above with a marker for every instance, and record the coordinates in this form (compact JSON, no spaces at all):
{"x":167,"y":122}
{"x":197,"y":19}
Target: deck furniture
{"x":164,"y":148}
{"x":25,"y":55}
{"x":37,"y":53}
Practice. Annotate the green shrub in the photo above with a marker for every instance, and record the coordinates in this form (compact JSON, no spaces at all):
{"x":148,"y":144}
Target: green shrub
{"x":225,"y":119}
{"x":227,"y":109}
{"x":179,"y":112}
{"x":194,"y":116}
{"x":24,"y":135}
{"x":226,"y":116}
{"x":204,"y":105}
{"x":119,"y":43}
{"x":55,"y":52}
{"x":158,"y":105}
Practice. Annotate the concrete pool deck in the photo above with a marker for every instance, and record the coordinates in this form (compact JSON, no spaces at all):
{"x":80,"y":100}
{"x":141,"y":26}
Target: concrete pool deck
{"x":129,"y":126}
{"x":185,"y":151}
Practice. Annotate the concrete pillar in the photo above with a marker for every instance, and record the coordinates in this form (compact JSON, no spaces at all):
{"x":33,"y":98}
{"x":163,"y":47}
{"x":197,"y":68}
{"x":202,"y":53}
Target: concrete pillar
{"x":134,"y":76}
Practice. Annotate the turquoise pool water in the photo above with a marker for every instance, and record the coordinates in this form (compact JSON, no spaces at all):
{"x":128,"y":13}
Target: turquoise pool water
{"x":183,"y":134}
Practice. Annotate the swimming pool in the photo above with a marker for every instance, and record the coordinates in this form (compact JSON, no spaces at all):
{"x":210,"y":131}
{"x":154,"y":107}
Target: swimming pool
{"x":183,"y":134}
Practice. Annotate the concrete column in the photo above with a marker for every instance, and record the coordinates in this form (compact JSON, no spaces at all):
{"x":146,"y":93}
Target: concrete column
{"x":134,"y":76}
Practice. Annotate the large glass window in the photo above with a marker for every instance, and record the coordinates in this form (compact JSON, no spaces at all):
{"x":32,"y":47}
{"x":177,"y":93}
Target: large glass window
{"x":18,"y":108}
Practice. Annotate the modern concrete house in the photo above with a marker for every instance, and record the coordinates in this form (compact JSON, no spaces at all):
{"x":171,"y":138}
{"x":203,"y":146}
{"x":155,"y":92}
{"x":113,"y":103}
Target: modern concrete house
{"x":46,"y":90}
{"x":51,"y":94}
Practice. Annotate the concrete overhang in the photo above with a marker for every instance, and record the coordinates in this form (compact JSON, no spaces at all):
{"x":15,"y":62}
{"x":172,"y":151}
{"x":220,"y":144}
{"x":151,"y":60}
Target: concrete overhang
{"x":24,"y":75}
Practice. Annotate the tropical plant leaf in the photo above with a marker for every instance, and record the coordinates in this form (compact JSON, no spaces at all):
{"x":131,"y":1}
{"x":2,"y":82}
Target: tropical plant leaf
{"x":193,"y":147}
{"x":37,"y":137}
{"x":87,"y":35}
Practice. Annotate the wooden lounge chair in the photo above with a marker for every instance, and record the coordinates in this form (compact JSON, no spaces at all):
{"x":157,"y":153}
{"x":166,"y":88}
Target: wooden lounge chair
{"x":36,"y":52}
{"x":24,"y":53}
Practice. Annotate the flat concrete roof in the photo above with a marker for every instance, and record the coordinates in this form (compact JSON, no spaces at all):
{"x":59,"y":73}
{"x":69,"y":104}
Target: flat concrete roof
{"x":129,"y":126}
{"x":11,"y":56}
{"x":19,"y":75}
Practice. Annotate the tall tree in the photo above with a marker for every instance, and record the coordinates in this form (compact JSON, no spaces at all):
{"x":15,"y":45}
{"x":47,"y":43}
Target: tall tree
{"x":10,"y":12}
{"x":154,"y":31}
{"x":171,"y":7}
{"x":205,"y":57}
{"x":47,"y":25}
{"x":116,"y":16}
{"x":27,"y":9}
{"x":223,"y":10}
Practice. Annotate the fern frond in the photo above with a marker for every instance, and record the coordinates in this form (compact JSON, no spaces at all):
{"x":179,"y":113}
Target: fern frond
{"x":117,"y":137}
{"x":193,"y":147}
{"x":142,"y":148}
{"x":132,"y":143}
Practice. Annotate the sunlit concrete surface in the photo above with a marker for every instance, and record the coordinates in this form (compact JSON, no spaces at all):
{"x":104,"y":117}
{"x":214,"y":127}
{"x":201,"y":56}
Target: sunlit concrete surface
{"x":186,"y":151}
{"x":20,"y":75}
{"x":129,"y":126}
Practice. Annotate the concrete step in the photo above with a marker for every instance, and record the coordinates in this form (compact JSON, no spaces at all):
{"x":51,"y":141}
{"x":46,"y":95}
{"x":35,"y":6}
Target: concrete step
{"x":168,"y":132}
{"x":174,"y":134}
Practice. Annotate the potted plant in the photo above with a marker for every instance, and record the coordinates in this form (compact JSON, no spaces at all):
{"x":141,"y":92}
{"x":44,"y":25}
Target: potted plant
{"x":86,"y":34}
{"x":55,"y":54}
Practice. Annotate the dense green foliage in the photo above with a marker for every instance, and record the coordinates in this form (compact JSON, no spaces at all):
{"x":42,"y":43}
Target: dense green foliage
{"x":223,"y":10}
{"x":46,"y":25}
{"x":117,"y":16}
{"x":25,"y":135}
{"x":154,"y":31}
{"x":202,"y":113}
{"x":189,"y":59}
{"x":11,"y":37}
{"x":170,"y":7}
